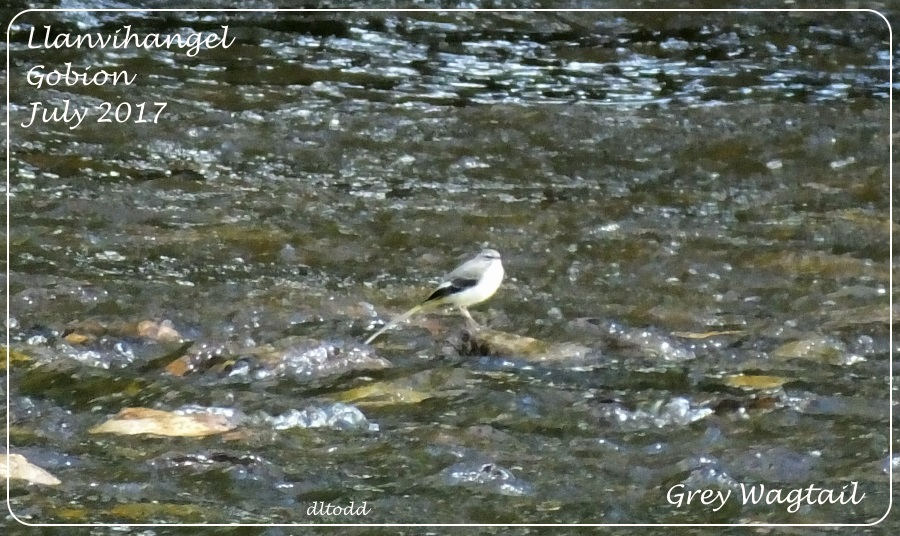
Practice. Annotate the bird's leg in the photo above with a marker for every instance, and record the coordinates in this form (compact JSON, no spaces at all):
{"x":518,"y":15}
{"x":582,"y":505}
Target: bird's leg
{"x":471,"y":324}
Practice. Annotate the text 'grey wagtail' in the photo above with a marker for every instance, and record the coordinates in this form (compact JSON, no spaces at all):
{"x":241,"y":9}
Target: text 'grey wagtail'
{"x":470,"y":283}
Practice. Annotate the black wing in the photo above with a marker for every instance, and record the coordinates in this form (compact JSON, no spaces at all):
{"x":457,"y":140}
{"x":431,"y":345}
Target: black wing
{"x":455,"y":286}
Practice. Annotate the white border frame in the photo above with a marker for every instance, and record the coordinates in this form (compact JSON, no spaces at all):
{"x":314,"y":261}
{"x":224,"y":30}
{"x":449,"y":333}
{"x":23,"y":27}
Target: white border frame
{"x":535,"y":10}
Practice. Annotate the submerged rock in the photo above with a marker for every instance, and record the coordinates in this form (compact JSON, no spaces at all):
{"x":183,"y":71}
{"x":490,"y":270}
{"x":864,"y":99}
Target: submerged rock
{"x":775,"y":464}
{"x":88,"y":330}
{"x":486,"y":476}
{"x":754,"y":381}
{"x":338,"y":416}
{"x":649,"y":342}
{"x":108,"y":346}
{"x":17,"y":467}
{"x":189,"y":422}
{"x":492,"y":342}
{"x":412,"y":389}
{"x":293,"y":356}
{"x":384,"y":394}
{"x":818,"y":348}
{"x":677,"y":411}
{"x":327,"y":358}
{"x":877,"y":314}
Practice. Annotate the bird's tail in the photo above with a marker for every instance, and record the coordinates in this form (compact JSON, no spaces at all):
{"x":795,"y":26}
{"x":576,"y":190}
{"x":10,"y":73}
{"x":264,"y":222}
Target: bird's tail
{"x":395,"y":321}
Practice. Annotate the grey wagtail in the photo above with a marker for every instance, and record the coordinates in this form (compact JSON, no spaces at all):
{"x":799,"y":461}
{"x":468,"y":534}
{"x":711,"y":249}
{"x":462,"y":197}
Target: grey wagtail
{"x":470,"y":283}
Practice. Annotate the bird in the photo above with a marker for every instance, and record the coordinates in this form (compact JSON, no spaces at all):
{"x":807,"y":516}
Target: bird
{"x":470,"y":283}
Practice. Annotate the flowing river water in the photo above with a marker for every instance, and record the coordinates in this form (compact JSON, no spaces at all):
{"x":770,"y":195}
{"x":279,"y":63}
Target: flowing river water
{"x":692,"y":210}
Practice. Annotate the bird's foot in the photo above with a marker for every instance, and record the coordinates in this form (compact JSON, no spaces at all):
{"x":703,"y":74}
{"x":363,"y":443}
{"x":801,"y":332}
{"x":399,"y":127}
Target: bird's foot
{"x":471,"y":324}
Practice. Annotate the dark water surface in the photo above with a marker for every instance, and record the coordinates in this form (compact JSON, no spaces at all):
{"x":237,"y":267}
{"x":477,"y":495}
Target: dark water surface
{"x":692,"y":210}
